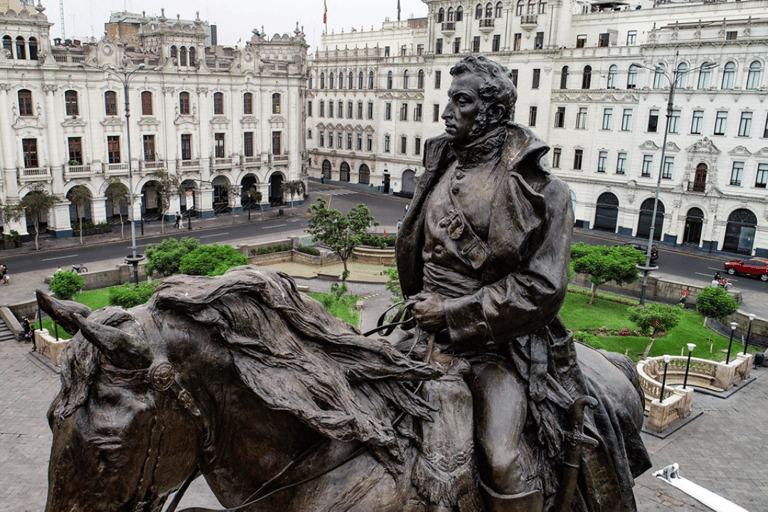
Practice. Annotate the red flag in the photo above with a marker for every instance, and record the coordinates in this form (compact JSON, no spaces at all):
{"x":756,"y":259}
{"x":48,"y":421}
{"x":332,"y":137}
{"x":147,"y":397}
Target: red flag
{"x":325,"y":12}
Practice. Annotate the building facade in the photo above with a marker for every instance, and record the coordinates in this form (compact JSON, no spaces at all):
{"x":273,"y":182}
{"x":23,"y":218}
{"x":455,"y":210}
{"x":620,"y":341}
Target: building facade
{"x":222,"y":120}
{"x":594,"y":82}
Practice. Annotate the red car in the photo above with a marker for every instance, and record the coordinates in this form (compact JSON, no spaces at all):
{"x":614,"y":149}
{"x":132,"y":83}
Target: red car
{"x":757,"y":267}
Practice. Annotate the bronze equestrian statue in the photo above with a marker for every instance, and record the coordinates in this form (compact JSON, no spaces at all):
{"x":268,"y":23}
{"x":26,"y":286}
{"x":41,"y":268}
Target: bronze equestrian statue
{"x":487,"y":404}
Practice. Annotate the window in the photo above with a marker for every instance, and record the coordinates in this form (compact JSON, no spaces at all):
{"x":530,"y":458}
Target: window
{"x":729,"y":75}
{"x":248,"y":143}
{"x":339,"y":140}
{"x":309,"y":108}
{"x":370,"y":110}
{"x":360,"y":78}
{"x":404,"y":112}
{"x":218,"y":104}
{"x":321,"y":110}
{"x":518,"y":42}
{"x":556,"y":153}
{"x":330,"y":80}
{"x":496,"y":44}
{"x":478,"y":11}
{"x":370,"y":79}
{"x":632,"y":77}
{"x":542,"y":6}
{"x":581,"y":41}
{"x":631,"y":37}
{"x":721,"y":119}
{"x":538,"y":42}
{"x":403,"y":50}
{"x":186,"y":146}
{"x":621,"y":163}
{"x":653,"y":120}
{"x":581,"y":118}
{"x":388,"y":111}
{"x":459,"y":14}
{"x":647,"y":166}
{"x":602,"y":40}
{"x":248,"y":105}
{"x":697,"y":121}
{"x":659,"y":77}
{"x":753,"y":75}
{"x":513,"y":75}
{"x":359,"y":141}
{"x":309,"y":82}
{"x":745,"y":124}
{"x":386,"y":143}
{"x":389,"y":80}
{"x":75,"y":145}
{"x":607,"y":118}
{"x":275,"y":103}
{"x":564,"y":77}
{"x":762,"y":176}
{"x":613,"y":74}
{"x":21,"y":53}
{"x":420,"y":79}
{"x":29,"y":147}
{"x":536,"y":79}
{"x":8,"y":44}
{"x":417,"y":146}
{"x":321,"y":140}
{"x":436,"y":114}
{"x":731,"y":35}
{"x":417,"y":113}
{"x":184,"y":103}
{"x":405,"y":79}
{"x":532,"y":116}
{"x":369,"y":143}
{"x":457,"y":45}
{"x":602,"y":159}
{"x":439,"y":45}
{"x":497,"y":11}
{"x":32,"y":48}
{"x":488,"y":10}
{"x":330,"y":108}
{"x":149,"y":148}
{"x":192,"y":55}
{"x":669,"y":163}
{"x":349,"y":141}
{"x":218,"y":145}
{"x":276,"y":143}
{"x":110,"y":103}
{"x":578,"y":154}
{"x":352,"y":81}
{"x":182,"y":56}
{"x":70,"y":103}
{"x":705,"y":74}
{"x":586,"y":77}
{"x":403,"y":144}
{"x":626,"y":120}
{"x":419,"y":49}
{"x":560,"y":117}
{"x":146,"y":103}
{"x":476,"y":44}
{"x":386,"y":51}
{"x":359,"y":109}
{"x":174,"y":52}
{"x":682,"y":76}
{"x":438,"y":76}
{"x":674,"y":122}
{"x":349,"y":110}
{"x":737,"y":173}
{"x":113,"y":149}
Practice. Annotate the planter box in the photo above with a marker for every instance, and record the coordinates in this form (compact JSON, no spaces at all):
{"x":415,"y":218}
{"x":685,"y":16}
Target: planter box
{"x":92,"y":231}
{"x":49,"y":346}
{"x":374,"y":255}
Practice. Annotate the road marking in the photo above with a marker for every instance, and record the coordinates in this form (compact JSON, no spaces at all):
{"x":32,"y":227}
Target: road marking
{"x":211,"y":236}
{"x":62,"y":257}
{"x":273,"y":227}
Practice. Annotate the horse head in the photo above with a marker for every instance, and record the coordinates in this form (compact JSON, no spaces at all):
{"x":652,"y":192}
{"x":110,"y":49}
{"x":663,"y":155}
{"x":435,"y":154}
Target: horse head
{"x":121,"y":439}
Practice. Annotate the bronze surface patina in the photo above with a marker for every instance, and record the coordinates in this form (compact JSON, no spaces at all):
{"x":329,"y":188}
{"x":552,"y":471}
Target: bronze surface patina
{"x":486,"y":404}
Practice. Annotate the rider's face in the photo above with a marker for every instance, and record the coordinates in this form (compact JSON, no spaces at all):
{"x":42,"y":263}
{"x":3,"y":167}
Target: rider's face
{"x":464,"y":104}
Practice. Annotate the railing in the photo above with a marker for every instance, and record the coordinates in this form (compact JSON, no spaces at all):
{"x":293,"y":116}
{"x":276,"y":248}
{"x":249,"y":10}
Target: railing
{"x":697,"y":187}
{"x":529,"y":19}
{"x":251,"y":159}
{"x":279,"y":158}
{"x":34,"y":173}
{"x":448,"y":26}
{"x":77,"y":170}
{"x":152,"y":166}
{"x":486,"y":23}
{"x":221,"y":162}
{"x":189,"y":163}
{"x":111,"y":168}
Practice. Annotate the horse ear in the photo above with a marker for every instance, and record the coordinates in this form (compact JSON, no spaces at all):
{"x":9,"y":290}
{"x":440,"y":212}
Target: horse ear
{"x":62,"y":311}
{"x":121,"y":348}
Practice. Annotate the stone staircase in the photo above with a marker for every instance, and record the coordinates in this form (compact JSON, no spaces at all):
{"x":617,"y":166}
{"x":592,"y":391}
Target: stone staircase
{"x":5,"y":333}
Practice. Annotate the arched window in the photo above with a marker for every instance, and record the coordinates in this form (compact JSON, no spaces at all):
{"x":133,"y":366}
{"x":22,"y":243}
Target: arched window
{"x":450,"y":14}
{"x":276,"y":103}
{"x":351,"y":80}
{"x":478,"y":11}
{"x":110,"y":103}
{"x":682,"y":75}
{"x":705,"y":75}
{"x":389,"y":80}
{"x":174,"y":53}
{"x":341,"y":80}
{"x":632,"y":77}
{"x":740,"y":232}
{"x":564,"y":78}
{"x":364,"y":175}
{"x":344,"y":171}
{"x":520,"y":8}
{"x":146,"y":103}
{"x":218,"y":103}
{"x":586,"y":77}
{"x":360,"y":78}
{"x":497,"y":13}
{"x":25,"y":103}
{"x":753,"y":75}
{"x":8,"y":45}
{"x":370,"y":79}
{"x":330,"y":80}
{"x":32,"y":48}
{"x":729,"y":75}
{"x":440,"y":15}
{"x":184,"y":107}
{"x":459,"y":13}
{"x":309,"y":82}
{"x":405,"y":79}
{"x":613,"y":74}
{"x":420,"y":83}
{"x":607,"y":212}
{"x":182,"y":56}
{"x":322,"y":80}
{"x":542,"y":6}
{"x":327,"y":169}
{"x":658,"y":76}
{"x":192,"y":56}
{"x":646,"y":217}
{"x":21,"y":53}
{"x":71,"y":107}
{"x":488,"y":10}
{"x":248,"y":103}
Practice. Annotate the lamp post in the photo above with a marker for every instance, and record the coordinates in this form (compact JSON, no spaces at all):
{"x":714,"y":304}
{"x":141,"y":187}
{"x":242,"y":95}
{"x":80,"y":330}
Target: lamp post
{"x":667,"y":359}
{"x":691,"y":346}
{"x":673,"y":80}
{"x":730,"y":342}
{"x":749,"y":331}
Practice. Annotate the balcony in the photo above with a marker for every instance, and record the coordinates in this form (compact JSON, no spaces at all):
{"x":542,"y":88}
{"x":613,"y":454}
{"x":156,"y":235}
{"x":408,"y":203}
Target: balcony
{"x":77,"y":171}
{"x":116,"y":169}
{"x":694,"y":186}
{"x":27,"y":174}
{"x":486,"y":25}
{"x":278,"y":158}
{"x":188,"y":164}
{"x":250,"y":160}
{"x":448,"y":27}
{"x":152,"y":166}
{"x":529,"y":21}
{"x":221,"y":163}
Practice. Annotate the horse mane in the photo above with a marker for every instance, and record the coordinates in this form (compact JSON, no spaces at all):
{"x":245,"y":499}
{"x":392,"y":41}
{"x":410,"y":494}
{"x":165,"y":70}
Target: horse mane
{"x":296,"y":357}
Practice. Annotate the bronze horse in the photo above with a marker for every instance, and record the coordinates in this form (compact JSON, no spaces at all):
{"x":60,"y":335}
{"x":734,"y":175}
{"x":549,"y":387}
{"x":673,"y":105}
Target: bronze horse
{"x":280,"y":406}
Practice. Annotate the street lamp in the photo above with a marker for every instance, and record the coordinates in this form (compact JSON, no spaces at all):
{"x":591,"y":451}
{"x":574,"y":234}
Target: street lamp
{"x":749,"y":331}
{"x":730,"y":342}
{"x":667,"y":359}
{"x":691,"y":346}
{"x":673,"y":81}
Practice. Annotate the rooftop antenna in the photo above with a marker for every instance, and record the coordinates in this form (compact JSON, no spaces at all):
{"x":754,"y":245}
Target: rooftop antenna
{"x":61,"y":13}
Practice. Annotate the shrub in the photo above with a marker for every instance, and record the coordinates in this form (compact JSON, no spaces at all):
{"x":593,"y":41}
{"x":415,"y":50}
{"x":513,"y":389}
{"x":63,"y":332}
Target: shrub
{"x":65,"y":284}
{"x":270,"y":249}
{"x":715,"y":302}
{"x":130,"y":295}
{"x":211,"y":260}
{"x":165,"y":257}
{"x":306,"y":249}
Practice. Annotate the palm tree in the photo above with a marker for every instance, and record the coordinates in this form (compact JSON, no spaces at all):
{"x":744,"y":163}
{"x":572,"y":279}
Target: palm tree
{"x":293,"y":188}
{"x":80,"y":197}
{"x":117,"y":192}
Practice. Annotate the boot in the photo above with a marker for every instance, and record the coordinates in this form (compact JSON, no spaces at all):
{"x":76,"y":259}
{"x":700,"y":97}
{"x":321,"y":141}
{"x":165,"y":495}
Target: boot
{"x":531,"y":501}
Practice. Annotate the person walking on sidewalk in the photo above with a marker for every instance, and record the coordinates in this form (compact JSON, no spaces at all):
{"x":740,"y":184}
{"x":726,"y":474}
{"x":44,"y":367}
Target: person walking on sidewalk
{"x":4,"y":276}
{"x":177,"y":224}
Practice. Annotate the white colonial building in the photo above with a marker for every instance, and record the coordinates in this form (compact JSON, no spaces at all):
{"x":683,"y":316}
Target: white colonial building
{"x":223,"y":120}
{"x":587,"y":85}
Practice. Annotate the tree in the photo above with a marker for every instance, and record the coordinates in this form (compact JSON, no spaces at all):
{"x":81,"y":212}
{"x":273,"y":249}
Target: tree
{"x":293,"y":188}
{"x":165,"y":257}
{"x":35,"y":203}
{"x":166,"y":186}
{"x":211,"y":260}
{"x":604,"y":264}
{"x":341,"y":233}
{"x":715,"y":302}
{"x":65,"y":284}
{"x":253,"y":196}
{"x":654,"y":318}
{"x":80,"y":197}
{"x":117,"y":192}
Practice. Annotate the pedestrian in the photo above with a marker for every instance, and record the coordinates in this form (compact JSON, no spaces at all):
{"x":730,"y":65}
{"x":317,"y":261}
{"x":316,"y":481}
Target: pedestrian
{"x":399,"y":225}
{"x":6,"y":278}
{"x":27,"y":329}
{"x":322,"y":177}
{"x":178,"y":220}
{"x":728,"y":285}
{"x":684,"y":298}
{"x":718,"y":277}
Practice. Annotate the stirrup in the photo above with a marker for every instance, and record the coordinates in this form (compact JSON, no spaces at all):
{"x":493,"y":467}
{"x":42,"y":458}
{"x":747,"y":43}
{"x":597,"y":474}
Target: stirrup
{"x":531,"y":501}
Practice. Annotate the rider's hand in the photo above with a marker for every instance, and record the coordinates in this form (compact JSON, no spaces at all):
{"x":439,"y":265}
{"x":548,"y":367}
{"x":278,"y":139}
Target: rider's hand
{"x":428,"y":311}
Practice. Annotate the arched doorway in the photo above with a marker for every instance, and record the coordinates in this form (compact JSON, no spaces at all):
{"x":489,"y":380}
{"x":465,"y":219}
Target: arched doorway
{"x":700,"y":179}
{"x":188,"y":197}
{"x":364,"y":175}
{"x":646,"y":217}
{"x":409,"y":183}
{"x":694,"y":222}
{"x":275,"y":189}
{"x":344,"y":172}
{"x":149,"y":201}
{"x":80,"y":194}
{"x":607,"y":212}
{"x":740,"y":232}
{"x":220,"y":195}
{"x":327,"y":169}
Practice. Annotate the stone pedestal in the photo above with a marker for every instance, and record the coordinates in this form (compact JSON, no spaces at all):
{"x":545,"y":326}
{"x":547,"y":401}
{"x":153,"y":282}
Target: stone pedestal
{"x":49,"y":346}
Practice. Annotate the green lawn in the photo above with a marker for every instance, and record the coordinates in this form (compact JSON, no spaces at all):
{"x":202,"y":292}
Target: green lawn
{"x":343,"y":308}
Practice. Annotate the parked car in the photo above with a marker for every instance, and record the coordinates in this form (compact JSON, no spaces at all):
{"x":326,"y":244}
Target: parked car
{"x":757,"y":267}
{"x":644,"y":249}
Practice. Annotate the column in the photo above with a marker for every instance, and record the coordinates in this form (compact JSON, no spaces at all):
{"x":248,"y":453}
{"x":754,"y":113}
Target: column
{"x":170,"y":134}
{"x":204,"y":201}
{"x":7,"y":159}
{"x":59,"y":221}
{"x":54,"y":160}
{"x":99,"y":209}
{"x":264,"y":189}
